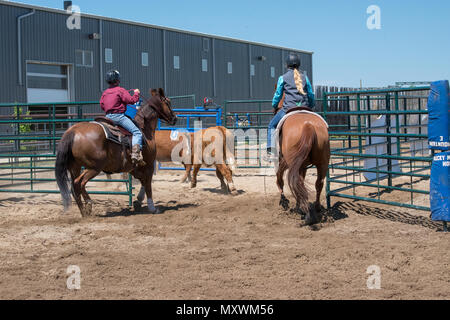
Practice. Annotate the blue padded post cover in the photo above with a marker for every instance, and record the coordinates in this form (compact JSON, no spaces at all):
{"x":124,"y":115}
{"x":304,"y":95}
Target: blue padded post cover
{"x":439,"y":116}
{"x":440,"y":187}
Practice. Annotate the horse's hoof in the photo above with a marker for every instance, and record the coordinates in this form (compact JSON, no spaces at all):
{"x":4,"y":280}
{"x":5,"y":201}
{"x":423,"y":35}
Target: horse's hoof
{"x":88,"y":209}
{"x":154,"y":211}
{"x":234,"y":192}
{"x":137,"y":206}
{"x":193,"y":186}
{"x":312,"y":220}
{"x":284,"y":203}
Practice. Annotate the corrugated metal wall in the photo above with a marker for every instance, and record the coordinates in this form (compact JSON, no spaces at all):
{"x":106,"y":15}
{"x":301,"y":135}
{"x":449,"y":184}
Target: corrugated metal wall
{"x":46,"y":38}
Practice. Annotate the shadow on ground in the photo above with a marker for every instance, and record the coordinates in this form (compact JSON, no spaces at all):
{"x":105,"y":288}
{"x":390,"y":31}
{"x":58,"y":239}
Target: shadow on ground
{"x":388,"y":214}
{"x":163,"y":208}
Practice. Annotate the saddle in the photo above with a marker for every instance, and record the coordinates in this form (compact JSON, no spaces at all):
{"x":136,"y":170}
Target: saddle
{"x":299,"y":109}
{"x":114,"y":133}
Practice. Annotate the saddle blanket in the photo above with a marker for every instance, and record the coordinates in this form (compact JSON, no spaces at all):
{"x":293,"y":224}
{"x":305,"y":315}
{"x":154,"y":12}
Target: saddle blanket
{"x":113,"y":134}
{"x":280,"y":124}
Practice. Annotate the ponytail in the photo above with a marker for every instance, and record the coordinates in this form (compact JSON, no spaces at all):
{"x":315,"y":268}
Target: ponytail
{"x":299,"y":82}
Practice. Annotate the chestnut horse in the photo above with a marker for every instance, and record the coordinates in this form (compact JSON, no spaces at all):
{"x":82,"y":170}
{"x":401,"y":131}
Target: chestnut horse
{"x":304,"y":141}
{"x":85,"y":145}
{"x":165,"y":145}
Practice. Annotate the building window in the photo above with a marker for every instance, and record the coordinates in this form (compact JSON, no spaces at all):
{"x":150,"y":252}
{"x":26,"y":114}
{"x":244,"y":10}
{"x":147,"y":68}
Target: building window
{"x":47,"y":76}
{"x":230,"y":67}
{"x":252,"y":70}
{"x":272,"y":72}
{"x":84,"y":58}
{"x":205,"y":65}
{"x":144,"y":58}
{"x":206,"y":44}
{"x":176,"y":62}
{"x":108,"y":55}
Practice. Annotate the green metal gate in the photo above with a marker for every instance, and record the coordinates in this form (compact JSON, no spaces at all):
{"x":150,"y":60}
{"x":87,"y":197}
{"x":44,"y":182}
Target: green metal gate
{"x":381,"y":155}
{"x":29,"y":134}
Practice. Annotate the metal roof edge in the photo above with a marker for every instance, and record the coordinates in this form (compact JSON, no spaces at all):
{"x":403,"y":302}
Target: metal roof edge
{"x":141,"y":24}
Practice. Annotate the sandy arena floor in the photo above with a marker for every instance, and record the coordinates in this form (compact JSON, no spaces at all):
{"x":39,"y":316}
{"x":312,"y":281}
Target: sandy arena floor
{"x":208,"y":245}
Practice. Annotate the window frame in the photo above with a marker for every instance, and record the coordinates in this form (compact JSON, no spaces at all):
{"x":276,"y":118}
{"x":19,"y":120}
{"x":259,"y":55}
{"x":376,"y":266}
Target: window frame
{"x":83,"y":58}
{"x":176,"y":62}
{"x":272,"y":72}
{"x":252,"y":70}
{"x":230,"y":67}
{"x":109,"y":51}
{"x":204,"y":65}
{"x":147,"y":59}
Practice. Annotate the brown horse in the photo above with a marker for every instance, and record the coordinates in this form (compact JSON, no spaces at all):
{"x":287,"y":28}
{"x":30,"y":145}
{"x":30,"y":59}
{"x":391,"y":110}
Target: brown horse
{"x":85,"y":145}
{"x":165,"y":145}
{"x":304,"y":141}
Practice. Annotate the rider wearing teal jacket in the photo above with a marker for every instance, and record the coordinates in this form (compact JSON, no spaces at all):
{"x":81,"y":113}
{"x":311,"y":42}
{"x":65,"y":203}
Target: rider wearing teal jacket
{"x":298,"y":92}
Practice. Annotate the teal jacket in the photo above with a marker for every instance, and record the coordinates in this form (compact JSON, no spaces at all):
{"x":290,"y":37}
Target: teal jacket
{"x":281,"y":89}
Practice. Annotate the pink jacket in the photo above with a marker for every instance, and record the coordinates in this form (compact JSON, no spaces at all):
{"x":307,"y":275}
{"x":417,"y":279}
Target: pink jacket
{"x":116,"y":99}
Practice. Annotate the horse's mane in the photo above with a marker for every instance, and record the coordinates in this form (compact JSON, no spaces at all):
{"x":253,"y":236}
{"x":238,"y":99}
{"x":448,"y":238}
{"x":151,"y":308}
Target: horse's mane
{"x":147,"y":110}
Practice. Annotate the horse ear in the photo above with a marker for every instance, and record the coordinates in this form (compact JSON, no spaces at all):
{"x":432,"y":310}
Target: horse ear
{"x":161,"y":92}
{"x":153,"y":92}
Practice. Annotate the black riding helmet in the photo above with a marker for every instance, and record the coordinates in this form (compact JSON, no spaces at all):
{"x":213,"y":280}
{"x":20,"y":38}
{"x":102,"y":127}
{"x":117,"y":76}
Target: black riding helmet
{"x":113,"y":77}
{"x":293,"y":61}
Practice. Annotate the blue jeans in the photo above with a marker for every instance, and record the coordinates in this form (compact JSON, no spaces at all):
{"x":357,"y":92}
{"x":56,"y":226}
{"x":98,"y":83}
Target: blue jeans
{"x":121,"y":120}
{"x":272,"y":127}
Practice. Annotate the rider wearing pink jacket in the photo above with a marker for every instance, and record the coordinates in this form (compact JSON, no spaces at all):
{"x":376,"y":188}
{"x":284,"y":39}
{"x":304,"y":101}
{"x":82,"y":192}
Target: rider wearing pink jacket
{"x":114,"y":102}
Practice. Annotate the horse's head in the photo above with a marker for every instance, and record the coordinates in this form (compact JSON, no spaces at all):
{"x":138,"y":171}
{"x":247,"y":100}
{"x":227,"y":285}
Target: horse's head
{"x":162,"y":106}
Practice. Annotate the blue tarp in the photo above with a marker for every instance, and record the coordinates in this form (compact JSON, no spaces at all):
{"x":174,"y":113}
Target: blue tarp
{"x":440,"y":187}
{"x":439,"y":116}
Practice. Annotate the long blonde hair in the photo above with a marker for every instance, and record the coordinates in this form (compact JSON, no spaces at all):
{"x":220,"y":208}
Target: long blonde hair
{"x":299,"y":82}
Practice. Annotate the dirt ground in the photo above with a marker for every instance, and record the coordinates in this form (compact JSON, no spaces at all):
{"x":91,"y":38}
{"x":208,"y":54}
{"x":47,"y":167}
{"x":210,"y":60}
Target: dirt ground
{"x":209,"y":245}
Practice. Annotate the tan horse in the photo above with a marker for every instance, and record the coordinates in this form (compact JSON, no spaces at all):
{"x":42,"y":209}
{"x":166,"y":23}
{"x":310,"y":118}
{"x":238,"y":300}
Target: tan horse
{"x":304,"y":141}
{"x":85,"y":145}
{"x":165,"y":146}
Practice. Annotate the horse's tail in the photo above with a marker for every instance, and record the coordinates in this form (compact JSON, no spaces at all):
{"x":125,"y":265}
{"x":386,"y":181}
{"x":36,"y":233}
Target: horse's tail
{"x":295,"y":178}
{"x":63,"y":159}
{"x":228,"y":148}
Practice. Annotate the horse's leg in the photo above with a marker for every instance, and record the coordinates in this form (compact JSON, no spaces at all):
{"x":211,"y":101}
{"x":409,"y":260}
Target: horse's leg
{"x":77,"y":191}
{"x":75,"y":172}
{"x":147,"y":184}
{"x":227,"y":173}
{"x":187,"y":173}
{"x":284,"y":202}
{"x":297,"y":206}
{"x":219,"y":175}
{"x":194,"y":175}
{"x":321,"y":175}
{"x":88,"y":175}
{"x":140,"y":199}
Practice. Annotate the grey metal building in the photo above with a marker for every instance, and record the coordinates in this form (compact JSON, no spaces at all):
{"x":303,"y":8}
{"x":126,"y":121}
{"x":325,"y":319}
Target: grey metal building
{"x":42,"y":60}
